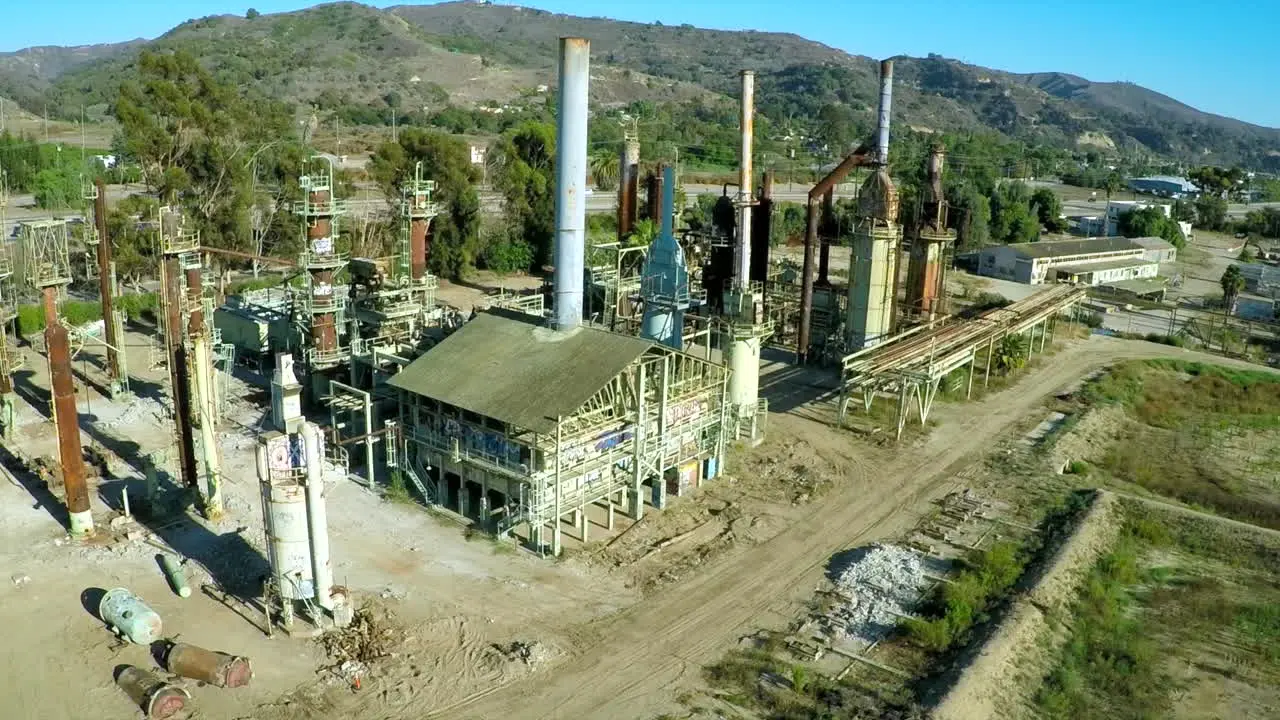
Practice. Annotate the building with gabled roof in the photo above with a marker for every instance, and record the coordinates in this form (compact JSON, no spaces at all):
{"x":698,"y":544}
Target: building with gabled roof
{"x":517,"y":426}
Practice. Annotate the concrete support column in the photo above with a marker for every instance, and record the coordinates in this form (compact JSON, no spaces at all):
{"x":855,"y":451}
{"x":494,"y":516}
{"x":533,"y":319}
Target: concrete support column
{"x":968,"y":393}
{"x":638,"y":442}
{"x":610,"y":521}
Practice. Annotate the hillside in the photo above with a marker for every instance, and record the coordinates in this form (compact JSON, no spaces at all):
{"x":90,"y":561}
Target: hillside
{"x":467,"y":53}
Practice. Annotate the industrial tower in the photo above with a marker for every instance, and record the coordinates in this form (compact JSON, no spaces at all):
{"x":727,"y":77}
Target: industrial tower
{"x":745,"y":325}
{"x":930,"y":244}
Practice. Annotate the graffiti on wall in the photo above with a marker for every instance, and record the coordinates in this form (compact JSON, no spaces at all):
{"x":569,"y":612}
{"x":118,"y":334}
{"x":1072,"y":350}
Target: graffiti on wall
{"x":483,"y":442}
{"x":686,"y":411}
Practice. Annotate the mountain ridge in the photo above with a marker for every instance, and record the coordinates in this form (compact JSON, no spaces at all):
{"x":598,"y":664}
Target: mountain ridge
{"x":466,"y":53}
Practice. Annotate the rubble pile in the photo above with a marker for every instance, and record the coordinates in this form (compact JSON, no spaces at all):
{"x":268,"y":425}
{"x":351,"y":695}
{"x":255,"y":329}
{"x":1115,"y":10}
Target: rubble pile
{"x":881,"y":584}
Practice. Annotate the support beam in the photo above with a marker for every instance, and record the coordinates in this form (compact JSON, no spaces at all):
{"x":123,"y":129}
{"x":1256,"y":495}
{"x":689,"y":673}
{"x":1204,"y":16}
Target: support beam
{"x":639,"y":442}
{"x":106,"y":289}
{"x":179,"y":373}
{"x":66,"y":417}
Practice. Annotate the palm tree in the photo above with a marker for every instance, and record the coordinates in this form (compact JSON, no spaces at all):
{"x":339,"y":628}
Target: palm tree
{"x":643,"y":234}
{"x":1011,"y":353}
{"x":1232,"y":284}
{"x":604,"y":169}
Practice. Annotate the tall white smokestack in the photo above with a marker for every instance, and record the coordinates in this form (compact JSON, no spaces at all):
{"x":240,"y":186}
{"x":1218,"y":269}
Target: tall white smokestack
{"x":742,"y":277}
{"x":886,"y":103}
{"x":571,"y":181}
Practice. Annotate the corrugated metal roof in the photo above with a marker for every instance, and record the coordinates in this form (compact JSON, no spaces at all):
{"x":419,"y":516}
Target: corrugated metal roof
{"x":1063,"y":248}
{"x":1080,"y":268}
{"x":506,"y":366}
{"x":1152,"y":243}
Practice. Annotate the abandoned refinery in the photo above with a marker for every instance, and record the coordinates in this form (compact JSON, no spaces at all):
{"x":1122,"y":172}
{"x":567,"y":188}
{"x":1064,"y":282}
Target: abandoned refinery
{"x":538,"y":383}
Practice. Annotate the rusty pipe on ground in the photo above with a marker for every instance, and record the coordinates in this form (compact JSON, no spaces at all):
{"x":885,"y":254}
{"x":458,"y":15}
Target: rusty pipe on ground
{"x":208,"y":666}
{"x":157,"y":699}
{"x":66,"y":417}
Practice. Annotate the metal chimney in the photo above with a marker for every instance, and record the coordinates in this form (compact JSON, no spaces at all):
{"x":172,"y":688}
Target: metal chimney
{"x":571,"y":181}
{"x":742,"y":277}
{"x":886,"y":102}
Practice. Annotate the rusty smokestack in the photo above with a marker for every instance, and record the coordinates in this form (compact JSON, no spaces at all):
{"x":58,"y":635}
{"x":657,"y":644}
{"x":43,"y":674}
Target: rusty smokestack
{"x":628,"y":186}
{"x":886,"y":104}
{"x":419,"y":237}
{"x":761,"y":234}
{"x":66,"y":415}
{"x":806,"y":282}
{"x":105,"y":277}
{"x":654,"y":197}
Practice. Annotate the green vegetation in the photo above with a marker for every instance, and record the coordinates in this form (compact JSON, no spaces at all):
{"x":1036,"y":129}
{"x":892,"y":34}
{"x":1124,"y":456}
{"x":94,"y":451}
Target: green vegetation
{"x":78,"y":312}
{"x":203,"y":146}
{"x":56,"y":175}
{"x":456,"y":243}
{"x":1185,"y":416}
{"x":525,"y":178}
{"x":1172,"y":593}
{"x":987,"y":576}
{"x":1232,"y":282}
{"x":1151,"y":222}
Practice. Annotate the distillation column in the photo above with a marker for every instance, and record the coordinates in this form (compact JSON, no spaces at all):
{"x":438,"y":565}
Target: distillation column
{"x":745,"y":324}
{"x":873,"y":266}
{"x":201,"y":361}
{"x":322,"y":261}
{"x":179,"y":249}
{"x":113,"y":324}
{"x":926,"y":271}
{"x":628,"y":183}
{"x":571,"y":182}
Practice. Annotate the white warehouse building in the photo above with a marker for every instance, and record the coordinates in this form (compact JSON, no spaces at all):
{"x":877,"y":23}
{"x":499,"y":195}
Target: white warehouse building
{"x":1096,"y":261}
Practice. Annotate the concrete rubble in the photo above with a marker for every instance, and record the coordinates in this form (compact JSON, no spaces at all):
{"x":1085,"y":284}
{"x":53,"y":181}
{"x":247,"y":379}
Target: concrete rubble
{"x":880,"y":585}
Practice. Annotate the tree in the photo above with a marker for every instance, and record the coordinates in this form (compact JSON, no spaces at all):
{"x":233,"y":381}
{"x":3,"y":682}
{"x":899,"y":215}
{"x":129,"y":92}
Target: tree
{"x":446,"y":160}
{"x":1011,"y":218}
{"x":1112,"y":184}
{"x":1183,"y":211}
{"x":1049,"y":210}
{"x":837,"y":128}
{"x":1232,"y":283}
{"x":524,"y":176}
{"x":57,"y":188}
{"x":1211,"y":212}
{"x":251,"y":14}
{"x":1217,"y":181}
{"x":1011,"y":353}
{"x":1151,"y":222}
{"x":200,"y":144}
{"x":603,"y":166}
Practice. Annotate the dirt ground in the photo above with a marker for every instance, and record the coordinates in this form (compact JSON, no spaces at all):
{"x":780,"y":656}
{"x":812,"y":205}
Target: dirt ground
{"x":619,"y":628}
{"x":453,"y":599}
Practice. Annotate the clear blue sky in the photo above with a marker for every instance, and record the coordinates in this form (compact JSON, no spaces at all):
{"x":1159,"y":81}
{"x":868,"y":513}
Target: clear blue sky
{"x":1216,"y":56}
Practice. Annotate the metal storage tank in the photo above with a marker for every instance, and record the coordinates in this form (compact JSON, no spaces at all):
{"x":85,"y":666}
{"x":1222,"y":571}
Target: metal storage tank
{"x":127,"y":615}
{"x":284,"y":499}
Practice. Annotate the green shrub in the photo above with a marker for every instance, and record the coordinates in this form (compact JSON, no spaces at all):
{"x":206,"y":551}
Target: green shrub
{"x":1078,"y":467}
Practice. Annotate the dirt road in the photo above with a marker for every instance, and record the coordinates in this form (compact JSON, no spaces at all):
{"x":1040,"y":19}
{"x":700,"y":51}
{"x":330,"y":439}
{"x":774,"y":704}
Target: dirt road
{"x":634,"y":666}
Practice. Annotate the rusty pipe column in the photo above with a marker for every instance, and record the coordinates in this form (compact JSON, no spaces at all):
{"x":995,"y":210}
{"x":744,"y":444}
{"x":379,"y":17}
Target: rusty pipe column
{"x":324,"y":327}
{"x":66,"y":418}
{"x":824,"y":237}
{"x":654,"y":191}
{"x":419,"y":243}
{"x":806,"y":283}
{"x":628,"y":184}
{"x":762,"y":233}
{"x":106,"y":273}
{"x":179,"y":375}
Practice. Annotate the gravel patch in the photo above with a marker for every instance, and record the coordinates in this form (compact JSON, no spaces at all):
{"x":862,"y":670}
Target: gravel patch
{"x":879,"y":584}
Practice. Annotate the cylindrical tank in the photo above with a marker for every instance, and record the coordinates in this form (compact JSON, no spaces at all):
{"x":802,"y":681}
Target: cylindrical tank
{"x":289,"y":544}
{"x":321,"y":569}
{"x":177,"y":578}
{"x":127,"y":615}
{"x":157,"y":699}
{"x":208,"y":666}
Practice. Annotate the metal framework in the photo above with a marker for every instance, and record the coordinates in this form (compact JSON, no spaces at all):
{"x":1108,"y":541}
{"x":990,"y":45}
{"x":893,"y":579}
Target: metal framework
{"x":911,"y":365}
{"x":658,"y":421}
{"x":322,"y":306}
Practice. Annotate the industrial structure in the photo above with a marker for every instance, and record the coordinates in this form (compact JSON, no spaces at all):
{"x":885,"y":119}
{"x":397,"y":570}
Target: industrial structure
{"x":1095,"y":261}
{"x":913,"y":364}
{"x":931,"y":245}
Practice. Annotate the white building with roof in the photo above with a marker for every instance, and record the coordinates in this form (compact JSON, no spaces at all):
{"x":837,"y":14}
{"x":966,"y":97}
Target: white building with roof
{"x":1094,"y":261}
